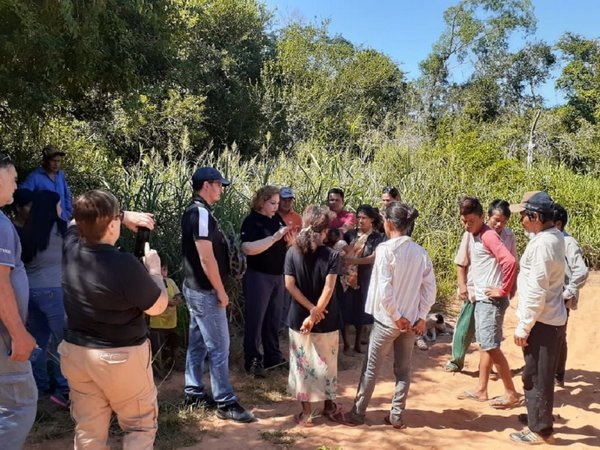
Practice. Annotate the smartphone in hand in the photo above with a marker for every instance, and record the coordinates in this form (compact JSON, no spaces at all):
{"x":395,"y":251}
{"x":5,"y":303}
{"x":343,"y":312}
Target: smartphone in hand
{"x":142,"y":236}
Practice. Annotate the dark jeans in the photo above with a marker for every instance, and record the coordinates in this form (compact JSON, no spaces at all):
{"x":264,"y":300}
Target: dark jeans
{"x":561,"y":363}
{"x":165,"y":346}
{"x":46,"y":323}
{"x":263,"y":294}
{"x":541,"y":354}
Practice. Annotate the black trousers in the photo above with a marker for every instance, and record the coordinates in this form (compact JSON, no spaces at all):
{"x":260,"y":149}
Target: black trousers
{"x":263,"y":294}
{"x":561,"y":362}
{"x":541,"y":355}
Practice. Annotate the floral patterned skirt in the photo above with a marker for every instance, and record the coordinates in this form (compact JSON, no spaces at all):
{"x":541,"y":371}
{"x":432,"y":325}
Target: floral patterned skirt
{"x":313,"y":366}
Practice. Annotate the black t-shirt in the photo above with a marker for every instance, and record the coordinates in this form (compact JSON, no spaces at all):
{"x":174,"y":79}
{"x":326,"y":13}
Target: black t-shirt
{"x":310,"y":271}
{"x":257,"y":226}
{"x":199,"y":224}
{"x":105,"y":292}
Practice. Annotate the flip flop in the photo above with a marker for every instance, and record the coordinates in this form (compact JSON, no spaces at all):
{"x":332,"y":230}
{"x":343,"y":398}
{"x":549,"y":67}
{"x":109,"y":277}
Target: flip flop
{"x":303,"y":421}
{"x":336,"y":415}
{"x":469,"y":395}
{"x":503,"y":403}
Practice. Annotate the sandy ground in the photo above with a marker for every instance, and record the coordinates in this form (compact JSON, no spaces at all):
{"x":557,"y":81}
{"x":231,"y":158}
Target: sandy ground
{"x":435,"y":418}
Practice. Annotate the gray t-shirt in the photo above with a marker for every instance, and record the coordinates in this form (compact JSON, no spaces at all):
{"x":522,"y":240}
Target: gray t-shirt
{"x":45,"y":269}
{"x":10,"y":255}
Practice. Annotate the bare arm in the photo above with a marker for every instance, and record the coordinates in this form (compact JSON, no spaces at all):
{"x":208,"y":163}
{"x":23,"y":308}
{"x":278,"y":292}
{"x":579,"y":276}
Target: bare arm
{"x":22,"y":342}
{"x":361,"y":261}
{"x":461,"y":276}
{"x":152,"y":263}
{"x":211,"y":269}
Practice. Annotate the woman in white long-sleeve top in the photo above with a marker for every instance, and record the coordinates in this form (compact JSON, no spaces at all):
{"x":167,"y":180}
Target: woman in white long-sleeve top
{"x":401,"y":293}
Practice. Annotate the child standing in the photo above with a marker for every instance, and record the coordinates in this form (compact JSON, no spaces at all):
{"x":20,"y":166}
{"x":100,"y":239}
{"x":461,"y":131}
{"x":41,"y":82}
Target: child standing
{"x":163,"y":328}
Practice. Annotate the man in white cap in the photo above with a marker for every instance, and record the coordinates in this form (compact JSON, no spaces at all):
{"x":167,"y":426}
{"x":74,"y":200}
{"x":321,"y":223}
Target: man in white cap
{"x":541,"y":313}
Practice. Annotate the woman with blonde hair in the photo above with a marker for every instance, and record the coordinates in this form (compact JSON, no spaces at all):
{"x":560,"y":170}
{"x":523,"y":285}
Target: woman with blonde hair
{"x":261,"y":235}
{"x":311,"y":271}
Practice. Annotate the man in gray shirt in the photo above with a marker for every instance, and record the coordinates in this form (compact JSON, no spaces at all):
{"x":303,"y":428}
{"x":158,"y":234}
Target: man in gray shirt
{"x":541,"y":313}
{"x":576,"y":273}
{"x":18,"y":393}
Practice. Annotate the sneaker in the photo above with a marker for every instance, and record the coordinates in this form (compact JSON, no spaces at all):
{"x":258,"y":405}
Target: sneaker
{"x":235,"y":411}
{"x":60,"y":400}
{"x":199,"y":401}
{"x":256,"y":369}
{"x":531,"y":438}
{"x":421,"y":344}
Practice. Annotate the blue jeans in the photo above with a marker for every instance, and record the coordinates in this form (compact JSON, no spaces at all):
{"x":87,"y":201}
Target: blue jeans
{"x":18,"y":398}
{"x":46,"y":323}
{"x":489,"y":317}
{"x":382,"y":340}
{"x":208,"y":335}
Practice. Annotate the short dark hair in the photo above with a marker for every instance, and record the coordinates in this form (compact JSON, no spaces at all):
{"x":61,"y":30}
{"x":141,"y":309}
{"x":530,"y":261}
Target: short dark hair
{"x":470,"y":205}
{"x":560,"y":213}
{"x":499,"y":205}
{"x":93,"y":212}
{"x":393,"y":191}
{"x":401,"y":216}
{"x":371,"y":213}
{"x":337,"y":191}
{"x":5,"y":160}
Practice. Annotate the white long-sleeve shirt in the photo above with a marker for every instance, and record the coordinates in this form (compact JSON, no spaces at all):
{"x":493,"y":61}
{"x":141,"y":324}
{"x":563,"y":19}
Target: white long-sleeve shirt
{"x":576,"y":272}
{"x":402,"y":282}
{"x":540,"y":282}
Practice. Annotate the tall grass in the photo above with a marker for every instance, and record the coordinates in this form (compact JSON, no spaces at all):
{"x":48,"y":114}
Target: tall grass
{"x":430,"y":177}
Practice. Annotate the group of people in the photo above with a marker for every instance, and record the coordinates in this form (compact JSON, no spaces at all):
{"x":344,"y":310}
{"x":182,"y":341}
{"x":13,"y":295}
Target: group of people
{"x":318,"y":274}
{"x":550,"y":274}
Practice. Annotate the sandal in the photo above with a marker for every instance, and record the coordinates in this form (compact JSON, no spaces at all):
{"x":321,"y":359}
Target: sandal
{"x":336,"y":415}
{"x":504,"y":403}
{"x":303,"y":421}
{"x":470,"y":395}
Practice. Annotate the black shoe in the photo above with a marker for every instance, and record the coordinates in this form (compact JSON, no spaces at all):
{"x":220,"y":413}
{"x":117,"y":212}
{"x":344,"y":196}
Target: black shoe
{"x":256,"y":369}
{"x":235,"y":411}
{"x":199,"y":401}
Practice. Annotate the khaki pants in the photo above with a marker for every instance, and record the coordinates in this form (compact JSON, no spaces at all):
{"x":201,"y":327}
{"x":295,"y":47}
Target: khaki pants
{"x":106,"y":380}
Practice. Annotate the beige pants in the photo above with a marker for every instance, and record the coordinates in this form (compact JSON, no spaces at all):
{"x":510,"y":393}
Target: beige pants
{"x":107,"y":380}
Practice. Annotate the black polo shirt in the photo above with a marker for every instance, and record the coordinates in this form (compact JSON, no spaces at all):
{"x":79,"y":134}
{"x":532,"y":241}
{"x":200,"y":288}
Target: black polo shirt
{"x":256,"y":227}
{"x":199,"y":224}
{"x":105,"y":293}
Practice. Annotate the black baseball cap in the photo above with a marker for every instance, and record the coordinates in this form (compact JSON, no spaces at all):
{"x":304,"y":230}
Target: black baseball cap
{"x":207,"y":174}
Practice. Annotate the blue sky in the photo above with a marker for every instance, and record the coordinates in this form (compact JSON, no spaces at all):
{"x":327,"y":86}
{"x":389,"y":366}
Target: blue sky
{"x":406,"y":29}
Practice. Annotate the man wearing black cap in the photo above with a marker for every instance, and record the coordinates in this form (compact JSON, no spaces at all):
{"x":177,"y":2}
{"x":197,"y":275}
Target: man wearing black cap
{"x":541,"y":312}
{"x":206,"y":265}
{"x":49,"y":177}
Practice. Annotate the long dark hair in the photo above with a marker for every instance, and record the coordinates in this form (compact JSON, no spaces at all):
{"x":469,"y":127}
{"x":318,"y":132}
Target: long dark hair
{"x":35,"y":235}
{"x":371,"y":213}
{"x":401,"y":216}
{"x":315,"y":219}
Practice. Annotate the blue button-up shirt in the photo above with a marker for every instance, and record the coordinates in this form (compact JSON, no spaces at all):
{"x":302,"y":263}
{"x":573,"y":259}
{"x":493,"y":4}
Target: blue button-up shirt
{"x":38,"y":180}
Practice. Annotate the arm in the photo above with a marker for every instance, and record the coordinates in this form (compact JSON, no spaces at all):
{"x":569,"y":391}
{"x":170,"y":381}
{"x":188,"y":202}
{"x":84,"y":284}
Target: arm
{"x":579,"y":271}
{"x":462,"y":272}
{"x":211,"y":269}
{"x":152,"y":263}
{"x":361,"y":261}
{"x":531,"y":307}
{"x":257,"y":247}
{"x":316,"y":313}
{"x":68,"y":199}
{"x":22,"y":342}
{"x":506,"y":261}
{"x":428,"y":290}
{"x":348,"y":222}
{"x":384,"y":268}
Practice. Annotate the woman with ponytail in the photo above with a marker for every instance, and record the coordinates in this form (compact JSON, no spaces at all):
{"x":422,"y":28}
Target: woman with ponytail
{"x":401,"y":293}
{"x":311,"y":271}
